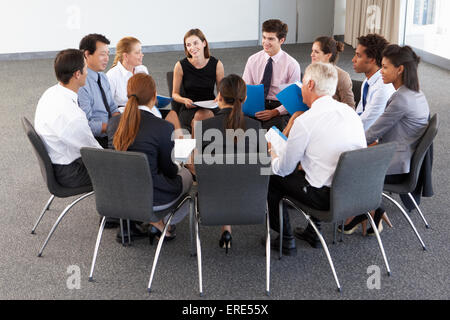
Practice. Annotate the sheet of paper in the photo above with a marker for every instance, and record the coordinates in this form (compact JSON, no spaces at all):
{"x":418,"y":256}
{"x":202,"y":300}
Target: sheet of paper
{"x":277,"y":139}
{"x":183,"y":149}
{"x":209,"y":104}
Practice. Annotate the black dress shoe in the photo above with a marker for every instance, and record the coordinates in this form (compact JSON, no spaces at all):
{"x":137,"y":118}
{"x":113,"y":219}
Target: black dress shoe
{"x":308,"y":235}
{"x":136,"y":232}
{"x":288,"y":247}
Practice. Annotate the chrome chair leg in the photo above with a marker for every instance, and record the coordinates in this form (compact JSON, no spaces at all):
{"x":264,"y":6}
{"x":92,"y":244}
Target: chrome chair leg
{"x":192,"y":226}
{"x":97,"y":245}
{"x":324,"y":245}
{"x":407,"y":218}
{"x":199,"y":258}
{"x":61,"y":216}
{"x":267,"y":254}
{"x":158,"y":250}
{"x":121,"y":231}
{"x":418,"y":209}
{"x":47,"y":206}
{"x":380,"y":244}
{"x":280,"y":210}
{"x":129,"y":232}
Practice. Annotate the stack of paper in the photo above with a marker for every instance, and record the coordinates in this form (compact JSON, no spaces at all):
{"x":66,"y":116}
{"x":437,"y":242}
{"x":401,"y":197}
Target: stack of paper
{"x":255,"y":100}
{"x":277,"y":139}
{"x":209,"y":104}
{"x":183,"y":149}
{"x":291,"y":98}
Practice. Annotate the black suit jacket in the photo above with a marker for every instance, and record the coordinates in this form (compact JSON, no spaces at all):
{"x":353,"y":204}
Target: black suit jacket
{"x":247,"y":143}
{"x":154,"y":139}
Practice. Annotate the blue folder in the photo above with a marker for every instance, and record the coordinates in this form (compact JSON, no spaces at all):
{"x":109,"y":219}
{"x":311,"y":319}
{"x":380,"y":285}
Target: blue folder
{"x":291,"y":98}
{"x":162,"y":101}
{"x":255,"y":100}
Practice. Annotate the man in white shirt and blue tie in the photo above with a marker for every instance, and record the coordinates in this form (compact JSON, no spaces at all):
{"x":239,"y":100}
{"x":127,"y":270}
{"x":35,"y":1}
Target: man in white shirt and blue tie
{"x":62,"y":125}
{"x":374,"y":93}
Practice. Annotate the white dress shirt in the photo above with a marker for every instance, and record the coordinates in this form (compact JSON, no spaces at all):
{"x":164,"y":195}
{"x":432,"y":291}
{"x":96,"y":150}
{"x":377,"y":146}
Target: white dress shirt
{"x":62,"y":125}
{"x":118,"y":79}
{"x":153,"y":110}
{"x":317,"y":139}
{"x":377,"y":98}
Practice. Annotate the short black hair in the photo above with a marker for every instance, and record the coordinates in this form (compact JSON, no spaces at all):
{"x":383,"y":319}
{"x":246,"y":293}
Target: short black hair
{"x":89,"y":42}
{"x":67,"y":62}
{"x":275,"y":25}
{"x":375,"y":45}
{"x":406,"y":57}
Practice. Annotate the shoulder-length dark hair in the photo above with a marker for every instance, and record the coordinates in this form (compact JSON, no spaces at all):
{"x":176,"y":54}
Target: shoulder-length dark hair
{"x":406,"y":57}
{"x":233,"y":91}
{"x":198,"y":33}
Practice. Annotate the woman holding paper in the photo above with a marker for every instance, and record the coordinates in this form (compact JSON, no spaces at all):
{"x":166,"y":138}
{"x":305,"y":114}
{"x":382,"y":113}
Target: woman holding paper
{"x":127,"y":62}
{"x":138,"y":129}
{"x":199,"y":73}
{"x":232,"y":94}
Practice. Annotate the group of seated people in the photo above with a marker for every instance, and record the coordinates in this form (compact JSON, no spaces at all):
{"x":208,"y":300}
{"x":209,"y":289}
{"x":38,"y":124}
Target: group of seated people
{"x":88,"y":108}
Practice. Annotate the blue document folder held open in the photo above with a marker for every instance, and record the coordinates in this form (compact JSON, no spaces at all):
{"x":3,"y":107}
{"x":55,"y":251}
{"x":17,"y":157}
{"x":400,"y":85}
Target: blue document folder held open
{"x":291,"y":98}
{"x":162,"y":101}
{"x":255,"y":100}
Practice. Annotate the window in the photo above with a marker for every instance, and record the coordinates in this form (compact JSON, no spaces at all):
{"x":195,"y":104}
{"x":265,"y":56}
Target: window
{"x":428,"y":26}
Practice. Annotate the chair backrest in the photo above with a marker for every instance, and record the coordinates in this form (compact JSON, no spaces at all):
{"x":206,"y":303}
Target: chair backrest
{"x":419,"y":154}
{"x":45,"y":164}
{"x":356,"y":88}
{"x":232,"y":193}
{"x":175,"y":105}
{"x":122,"y":183}
{"x":359,"y":179}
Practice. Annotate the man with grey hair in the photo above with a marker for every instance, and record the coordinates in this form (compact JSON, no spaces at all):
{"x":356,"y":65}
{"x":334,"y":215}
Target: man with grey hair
{"x":304,"y":171}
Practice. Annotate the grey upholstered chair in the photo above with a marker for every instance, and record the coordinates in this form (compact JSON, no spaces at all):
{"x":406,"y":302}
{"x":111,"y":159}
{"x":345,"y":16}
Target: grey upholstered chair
{"x":356,"y":188}
{"x":232,"y":193}
{"x":53,"y":186}
{"x":356,"y":88}
{"x":411,"y":182}
{"x":124,"y":189}
{"x":169,"y":78}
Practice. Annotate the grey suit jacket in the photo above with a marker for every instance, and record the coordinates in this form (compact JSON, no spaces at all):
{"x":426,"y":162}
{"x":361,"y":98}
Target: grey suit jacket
{"x":404,"y":121}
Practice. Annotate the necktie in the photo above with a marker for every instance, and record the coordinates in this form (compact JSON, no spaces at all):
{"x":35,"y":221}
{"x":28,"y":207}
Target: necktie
{"x":267,"y":77}
{"x":365,"y":91}
{"x":105,"y":101}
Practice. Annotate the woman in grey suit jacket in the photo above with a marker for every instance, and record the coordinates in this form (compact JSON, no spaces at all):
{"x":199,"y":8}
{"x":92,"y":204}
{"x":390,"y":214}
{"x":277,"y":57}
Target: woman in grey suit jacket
{"x":404,"y":120}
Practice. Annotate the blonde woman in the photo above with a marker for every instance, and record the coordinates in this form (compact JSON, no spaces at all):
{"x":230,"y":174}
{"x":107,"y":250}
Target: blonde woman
{"x":128,"y":62}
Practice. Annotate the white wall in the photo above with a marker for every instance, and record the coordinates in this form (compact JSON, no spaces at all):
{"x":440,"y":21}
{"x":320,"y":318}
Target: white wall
{"x":339,"y":17}
{"x":285,"y":10}
{"x":52,"y":25}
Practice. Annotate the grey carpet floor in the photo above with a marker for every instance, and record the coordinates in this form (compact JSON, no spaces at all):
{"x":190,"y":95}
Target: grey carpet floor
{"x":123,"y":272}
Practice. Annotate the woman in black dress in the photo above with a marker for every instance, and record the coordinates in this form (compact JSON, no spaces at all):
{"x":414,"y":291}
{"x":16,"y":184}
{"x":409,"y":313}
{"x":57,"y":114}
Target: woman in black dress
{"x":199,"y":72}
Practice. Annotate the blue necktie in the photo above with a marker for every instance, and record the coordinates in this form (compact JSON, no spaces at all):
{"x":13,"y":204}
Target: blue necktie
{"x":267,"y":77}
{"x":365,"y":91}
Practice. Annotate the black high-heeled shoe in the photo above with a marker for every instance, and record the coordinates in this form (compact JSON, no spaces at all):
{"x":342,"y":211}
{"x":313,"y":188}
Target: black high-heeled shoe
{"x":351,"y":227}
{"x":155,"y":233}
{"x":377,"y":218}
{"x":225,"y":241}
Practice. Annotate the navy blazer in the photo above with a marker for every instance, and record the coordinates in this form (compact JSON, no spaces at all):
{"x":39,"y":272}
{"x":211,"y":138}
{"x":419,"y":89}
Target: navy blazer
{"x":154,"y":139}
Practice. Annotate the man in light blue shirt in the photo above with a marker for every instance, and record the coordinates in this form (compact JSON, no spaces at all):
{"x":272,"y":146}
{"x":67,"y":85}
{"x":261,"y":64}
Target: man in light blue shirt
{"x":95,"y":98}
{"x":374,"y":93}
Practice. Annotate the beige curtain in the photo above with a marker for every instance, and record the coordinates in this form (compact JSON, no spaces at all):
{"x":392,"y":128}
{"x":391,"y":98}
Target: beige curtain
{"x":372,"y":16}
